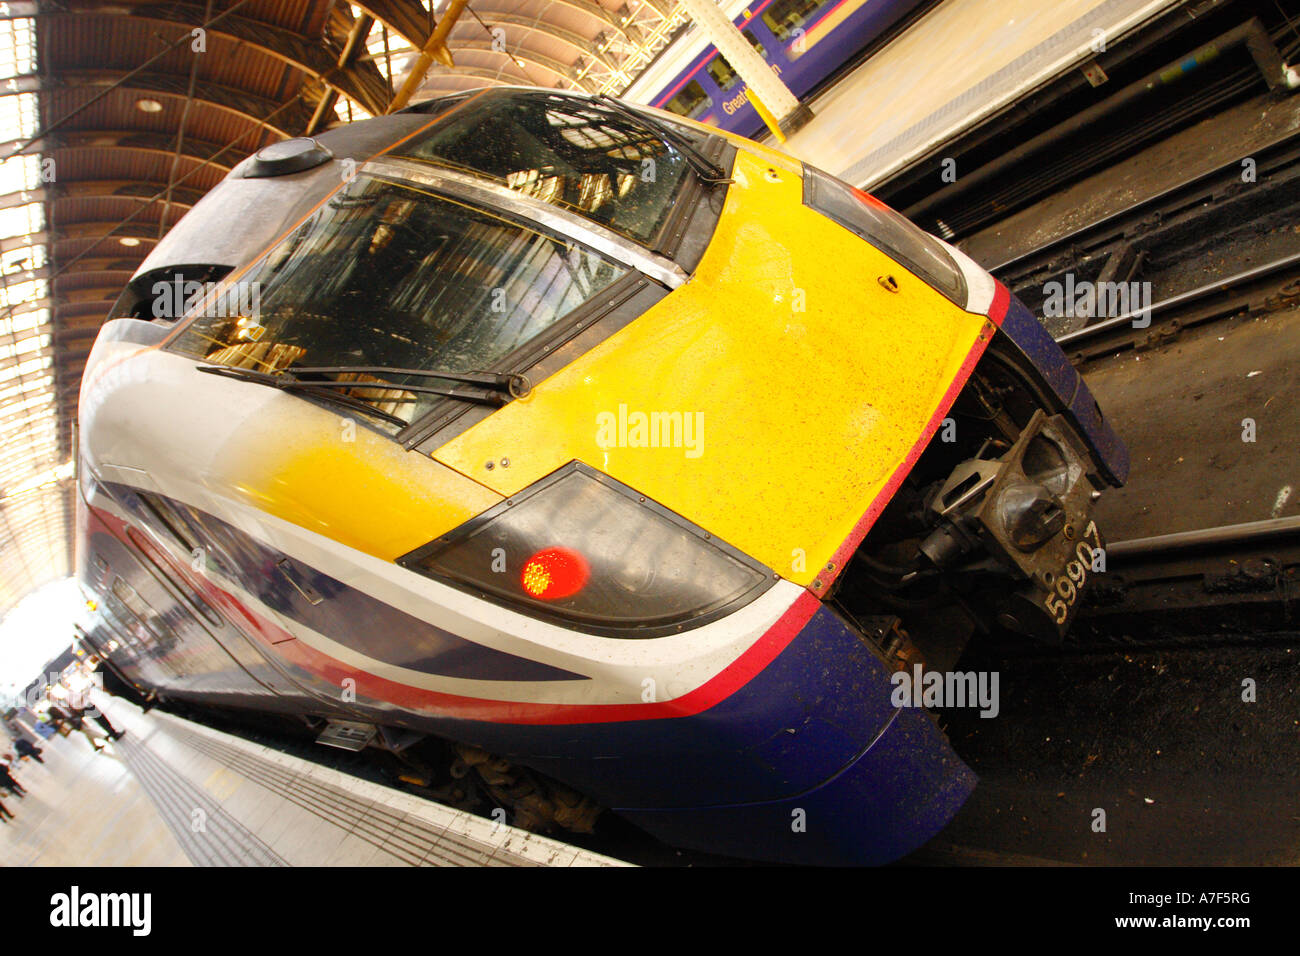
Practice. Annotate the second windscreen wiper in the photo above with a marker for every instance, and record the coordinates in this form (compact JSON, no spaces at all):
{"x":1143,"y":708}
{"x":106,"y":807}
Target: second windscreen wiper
{"x":515,"y":386}
{"x":708,"y":171}
{"x":494,"y":388}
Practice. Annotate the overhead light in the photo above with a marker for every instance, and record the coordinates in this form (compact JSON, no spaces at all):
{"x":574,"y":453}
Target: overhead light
{"x":148,"y":106}
{"x":129,"y":241}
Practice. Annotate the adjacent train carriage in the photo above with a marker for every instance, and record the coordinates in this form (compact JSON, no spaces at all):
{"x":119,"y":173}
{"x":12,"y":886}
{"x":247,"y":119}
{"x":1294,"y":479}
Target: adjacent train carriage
{"x":803,"y":41}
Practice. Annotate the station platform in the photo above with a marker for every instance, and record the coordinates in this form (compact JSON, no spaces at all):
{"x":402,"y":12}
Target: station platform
{"x":171,"y":792}
{"x":962,"y":62}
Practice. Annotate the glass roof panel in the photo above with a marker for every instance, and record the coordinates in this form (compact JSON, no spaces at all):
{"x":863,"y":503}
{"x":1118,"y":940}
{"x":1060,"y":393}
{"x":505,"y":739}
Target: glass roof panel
{"x":34,"y":474}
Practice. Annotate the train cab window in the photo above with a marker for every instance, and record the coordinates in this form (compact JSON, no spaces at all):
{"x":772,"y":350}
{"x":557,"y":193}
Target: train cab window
{"x":387,"y":274}
{"x":691,"y":101}
{"x":566,"y":151}
{"x":784,"y":17}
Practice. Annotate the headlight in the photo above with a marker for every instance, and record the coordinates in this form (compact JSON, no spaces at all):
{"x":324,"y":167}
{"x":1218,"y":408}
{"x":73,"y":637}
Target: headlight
{"x":581,"y":549}
{"x":870,"y":219}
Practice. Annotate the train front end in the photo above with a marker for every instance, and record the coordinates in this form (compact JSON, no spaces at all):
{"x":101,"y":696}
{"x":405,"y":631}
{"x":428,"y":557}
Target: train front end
{"x":641,"y":456}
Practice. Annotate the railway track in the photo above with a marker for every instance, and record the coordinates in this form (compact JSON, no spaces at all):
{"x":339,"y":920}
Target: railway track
{"x":1219,"y":256}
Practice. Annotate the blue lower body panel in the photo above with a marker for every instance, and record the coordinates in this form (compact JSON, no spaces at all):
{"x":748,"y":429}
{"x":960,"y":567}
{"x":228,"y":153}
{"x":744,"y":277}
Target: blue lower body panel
{"x":809,"y":762}
{"x":891,"y":800}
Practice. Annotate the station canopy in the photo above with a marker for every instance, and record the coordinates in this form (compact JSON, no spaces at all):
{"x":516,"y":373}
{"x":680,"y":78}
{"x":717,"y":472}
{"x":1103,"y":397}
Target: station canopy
{"x":116,"y":116}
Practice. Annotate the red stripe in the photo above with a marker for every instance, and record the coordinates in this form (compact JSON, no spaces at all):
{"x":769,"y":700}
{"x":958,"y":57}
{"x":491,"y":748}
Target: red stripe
{"x":742,"y":670}
{"x":997,"y":312}
{"x":282,"y":643}
{"x":1001,"y":303}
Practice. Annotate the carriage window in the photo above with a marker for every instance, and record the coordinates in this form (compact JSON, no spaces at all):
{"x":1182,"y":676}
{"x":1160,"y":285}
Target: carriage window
{"x":721,"y":70}
{"x":565,"y":151}
{"x":386,"y":274}
{"x":691,"y":101}
{"x":783,"y":17}
{"x":722,"y":73}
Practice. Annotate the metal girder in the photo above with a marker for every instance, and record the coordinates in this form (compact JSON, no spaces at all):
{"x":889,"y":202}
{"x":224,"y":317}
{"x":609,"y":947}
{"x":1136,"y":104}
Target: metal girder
{"x":24,"y":241}
{"x":478,"y":72}
{"x":591,"y":9}
{"x":160,"y":143}
{"x":122,"y":263}
{"x":256,"y":109}
{"x":576,"y":40}
{"x":407,"y":18}
{"x":352,"y":44}
{"x":562,"y":70}
{"x":31,"y":305}
{"x":144,"y":231}
{"x":138,"y":190}
{"x":78,"y":331}
{"x":25,"y":275}
{"x":661,"y":7}
{"x":362,"y":81}
{"x":410,"y":20}
{"x":104,"y":293}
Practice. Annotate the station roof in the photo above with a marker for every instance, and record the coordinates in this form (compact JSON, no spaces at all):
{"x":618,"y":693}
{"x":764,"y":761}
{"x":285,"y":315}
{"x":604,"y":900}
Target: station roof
{"x":116,"y":116}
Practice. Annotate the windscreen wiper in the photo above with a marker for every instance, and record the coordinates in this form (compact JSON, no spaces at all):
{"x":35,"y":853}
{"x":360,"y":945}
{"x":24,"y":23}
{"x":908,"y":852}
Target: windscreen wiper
{"x":708,"y":171}
{"x":290,"y":384}
{"x":497,"y":389}
{"x":508,"y":383}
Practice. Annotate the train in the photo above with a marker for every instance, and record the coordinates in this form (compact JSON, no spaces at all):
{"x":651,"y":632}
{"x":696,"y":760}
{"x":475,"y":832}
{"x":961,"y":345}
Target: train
{"x":618,"y":461}
{"x":804,"y":42}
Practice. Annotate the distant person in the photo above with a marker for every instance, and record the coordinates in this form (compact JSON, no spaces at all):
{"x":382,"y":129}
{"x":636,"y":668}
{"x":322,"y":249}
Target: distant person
{"x":77,"y":721}
{"x":5,"y":813}
{"x":7,"y":781}
{"x":61,"y":719}
{"x":26,"y":748}
{"x":101,"y":718}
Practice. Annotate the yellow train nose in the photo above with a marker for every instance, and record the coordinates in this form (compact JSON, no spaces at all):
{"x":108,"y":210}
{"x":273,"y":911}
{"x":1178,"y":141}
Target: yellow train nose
{"x":770,"y":400}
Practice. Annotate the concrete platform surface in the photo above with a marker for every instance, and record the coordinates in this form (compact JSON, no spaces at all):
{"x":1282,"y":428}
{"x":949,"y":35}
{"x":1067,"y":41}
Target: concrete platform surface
{"x":962,"y":62}
{"x":175,"y":793}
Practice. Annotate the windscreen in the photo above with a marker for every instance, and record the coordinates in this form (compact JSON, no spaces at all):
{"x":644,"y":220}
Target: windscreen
{"x":386,"y":274}
{"x":566,"y":151}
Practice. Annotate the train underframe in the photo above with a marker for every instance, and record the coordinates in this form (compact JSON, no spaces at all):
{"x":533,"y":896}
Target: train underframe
{"x":992,"y":530}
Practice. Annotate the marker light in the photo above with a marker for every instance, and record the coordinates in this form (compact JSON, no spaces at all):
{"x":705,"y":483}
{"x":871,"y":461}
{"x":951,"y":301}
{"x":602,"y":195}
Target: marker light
{"x":890,"y":232}
{"x":629,"y":568}
{"x":554,"y":574}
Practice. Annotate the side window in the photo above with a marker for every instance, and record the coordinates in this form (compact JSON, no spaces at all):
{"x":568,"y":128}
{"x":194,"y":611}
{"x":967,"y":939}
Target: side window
{"x":159,"y":519}
{"x":783,"y":17}
{"x":722,"y":71}
{"x":691,"y":101}
{"x":149,"y":553}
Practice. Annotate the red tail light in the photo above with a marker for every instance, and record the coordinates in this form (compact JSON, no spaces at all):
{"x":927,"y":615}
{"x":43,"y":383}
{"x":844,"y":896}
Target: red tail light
{"x":554,"y":574}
